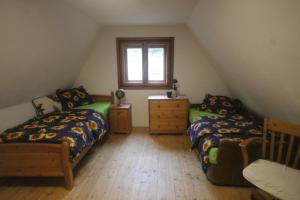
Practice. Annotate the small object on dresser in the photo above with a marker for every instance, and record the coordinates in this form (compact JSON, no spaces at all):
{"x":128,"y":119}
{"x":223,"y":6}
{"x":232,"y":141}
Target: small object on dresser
{"x":175,"y":92}
{"x":169,"y":94}
{"x":120,"y":118}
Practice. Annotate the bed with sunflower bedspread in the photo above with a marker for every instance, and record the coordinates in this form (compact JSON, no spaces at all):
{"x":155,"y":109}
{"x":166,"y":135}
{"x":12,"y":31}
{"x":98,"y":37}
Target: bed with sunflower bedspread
{"x":53,"y":143}
{"x":81,"y":128}
{"x":215,"y":131}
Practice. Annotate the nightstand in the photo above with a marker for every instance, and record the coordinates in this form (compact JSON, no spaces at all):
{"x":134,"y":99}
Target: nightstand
{"x":120,"y":118}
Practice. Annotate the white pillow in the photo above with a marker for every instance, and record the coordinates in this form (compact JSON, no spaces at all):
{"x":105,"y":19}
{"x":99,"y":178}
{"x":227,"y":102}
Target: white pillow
{"x":45,"y":105}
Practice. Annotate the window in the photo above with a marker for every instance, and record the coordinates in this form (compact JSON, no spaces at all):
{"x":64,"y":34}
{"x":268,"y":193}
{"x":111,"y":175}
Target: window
{"x":145,"y":63}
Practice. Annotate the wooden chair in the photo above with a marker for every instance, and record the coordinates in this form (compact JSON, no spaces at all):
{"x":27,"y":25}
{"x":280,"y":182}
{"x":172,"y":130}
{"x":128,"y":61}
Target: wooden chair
{"x":279,"y":167}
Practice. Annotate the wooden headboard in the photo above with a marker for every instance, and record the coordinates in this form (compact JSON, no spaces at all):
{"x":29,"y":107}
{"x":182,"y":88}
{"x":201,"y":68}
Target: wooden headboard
{"x":104,"y":98}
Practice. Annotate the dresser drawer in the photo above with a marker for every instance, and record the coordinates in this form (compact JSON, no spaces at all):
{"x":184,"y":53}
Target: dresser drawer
{"x":170,"y":122}
{"x":161,"y":126}
{"x":165,"y":114}
{"x":119,"y":113}
{"x":168,"y":105}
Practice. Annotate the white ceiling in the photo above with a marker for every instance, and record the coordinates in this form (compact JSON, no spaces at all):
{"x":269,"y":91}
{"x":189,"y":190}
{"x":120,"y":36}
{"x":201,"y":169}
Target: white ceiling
{"x":136,"y":12}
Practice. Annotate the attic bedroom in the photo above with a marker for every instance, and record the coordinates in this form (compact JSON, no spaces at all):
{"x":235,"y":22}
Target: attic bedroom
{"x":150,"y":99}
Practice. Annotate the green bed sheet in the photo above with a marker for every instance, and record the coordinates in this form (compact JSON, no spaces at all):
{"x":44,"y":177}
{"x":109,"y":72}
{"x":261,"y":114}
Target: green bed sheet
{"x":193,"y":115}
{"x":213,"y":155}
{"x":101,"y":107}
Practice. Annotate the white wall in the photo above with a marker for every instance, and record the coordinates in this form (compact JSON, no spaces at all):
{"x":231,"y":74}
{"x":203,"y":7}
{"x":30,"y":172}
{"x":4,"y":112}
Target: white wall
{"x":193,"y":70}
{"x":43,"y":45}
{"x":256,"y":46}
{"x":14,"y":115}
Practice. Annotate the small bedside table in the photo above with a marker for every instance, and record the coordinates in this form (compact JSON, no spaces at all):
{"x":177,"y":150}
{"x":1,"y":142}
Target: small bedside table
{"x":120,"y":118}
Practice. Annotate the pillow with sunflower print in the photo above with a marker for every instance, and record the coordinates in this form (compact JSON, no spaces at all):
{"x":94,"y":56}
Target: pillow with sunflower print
{"x":221,"y":105}
{"x":71,"y":98}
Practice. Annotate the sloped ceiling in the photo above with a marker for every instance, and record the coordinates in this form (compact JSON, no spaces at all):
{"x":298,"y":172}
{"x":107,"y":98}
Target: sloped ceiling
{"x":255,"y":45}
{"x":256,"y":48}
{"x":137,"y":12}
{"x":43,"y":45}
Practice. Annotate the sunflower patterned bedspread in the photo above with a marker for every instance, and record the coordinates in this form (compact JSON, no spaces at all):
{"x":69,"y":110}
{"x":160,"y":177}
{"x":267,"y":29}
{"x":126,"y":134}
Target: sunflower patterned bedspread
{"x":80,"y":127}
{"x":208,"y":131}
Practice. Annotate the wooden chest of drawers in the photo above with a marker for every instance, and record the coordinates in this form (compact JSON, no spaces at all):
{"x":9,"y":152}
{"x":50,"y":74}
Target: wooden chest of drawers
{"x":120,"y":118}
{"x":168,"y":115}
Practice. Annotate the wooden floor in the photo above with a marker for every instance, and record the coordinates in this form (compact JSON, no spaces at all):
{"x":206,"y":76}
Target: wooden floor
{"x":135,"y":166}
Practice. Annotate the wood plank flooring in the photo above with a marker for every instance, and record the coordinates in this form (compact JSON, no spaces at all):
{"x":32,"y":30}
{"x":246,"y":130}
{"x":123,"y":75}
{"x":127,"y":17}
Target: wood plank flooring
{"x":135,"y":166}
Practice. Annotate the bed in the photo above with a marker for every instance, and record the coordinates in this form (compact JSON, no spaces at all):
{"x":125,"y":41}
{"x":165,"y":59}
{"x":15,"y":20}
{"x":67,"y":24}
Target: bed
{"x":62,"y":141}
{"x":216,"y":138}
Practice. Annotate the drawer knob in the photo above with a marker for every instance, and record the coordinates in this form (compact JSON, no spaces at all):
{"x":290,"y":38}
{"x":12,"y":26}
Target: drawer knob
{"x":177,"y":105}
{"x":158,"y":126}
{"x":158,"y":116}
{"x":158,"y":106}
{"x":176,"y":116}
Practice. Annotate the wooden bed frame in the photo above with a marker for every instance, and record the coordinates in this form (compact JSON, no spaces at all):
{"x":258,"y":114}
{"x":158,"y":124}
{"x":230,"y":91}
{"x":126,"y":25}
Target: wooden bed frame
{"x":41,"y":159}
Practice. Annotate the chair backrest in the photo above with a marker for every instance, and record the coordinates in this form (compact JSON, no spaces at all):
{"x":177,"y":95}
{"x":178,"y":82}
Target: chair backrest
{"x":281,"y":142}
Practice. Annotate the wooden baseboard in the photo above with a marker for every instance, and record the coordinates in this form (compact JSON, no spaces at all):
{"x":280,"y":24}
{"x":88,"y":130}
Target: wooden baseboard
{"x":140,"y":129}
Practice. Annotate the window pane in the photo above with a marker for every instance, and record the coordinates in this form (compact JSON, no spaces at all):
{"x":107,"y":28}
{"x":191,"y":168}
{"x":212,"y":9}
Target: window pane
{"x":135,"y":64}
{"x":156,"y":70}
